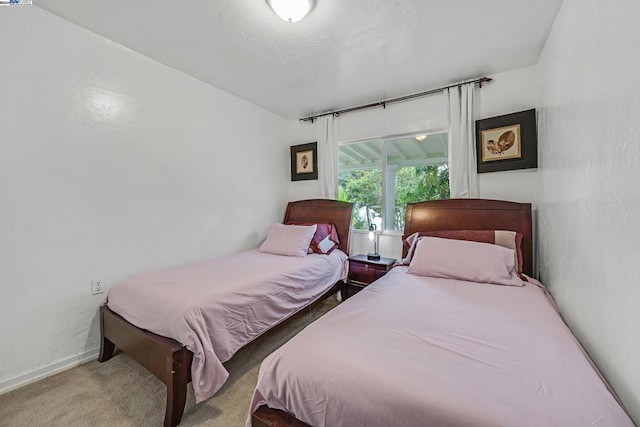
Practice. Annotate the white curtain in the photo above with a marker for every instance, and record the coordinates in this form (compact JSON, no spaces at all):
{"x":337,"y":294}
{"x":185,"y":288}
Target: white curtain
{"x":328,"y":156}
{"x":463,"y":176}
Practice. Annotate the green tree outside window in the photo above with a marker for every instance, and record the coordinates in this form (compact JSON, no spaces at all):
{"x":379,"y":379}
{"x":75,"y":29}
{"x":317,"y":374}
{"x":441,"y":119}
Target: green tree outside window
{"x":413,"y":184}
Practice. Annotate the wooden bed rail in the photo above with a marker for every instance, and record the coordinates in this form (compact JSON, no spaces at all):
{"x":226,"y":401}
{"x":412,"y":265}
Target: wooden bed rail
{"x":268,"y":417}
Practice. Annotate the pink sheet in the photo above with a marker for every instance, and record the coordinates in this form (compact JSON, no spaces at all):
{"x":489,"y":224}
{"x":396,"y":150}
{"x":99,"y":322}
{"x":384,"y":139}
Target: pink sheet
{"x":411,"y":350}
{"x":216,"y":306}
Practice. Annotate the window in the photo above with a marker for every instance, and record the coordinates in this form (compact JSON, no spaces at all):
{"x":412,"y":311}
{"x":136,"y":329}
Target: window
{"x":382,"y":176}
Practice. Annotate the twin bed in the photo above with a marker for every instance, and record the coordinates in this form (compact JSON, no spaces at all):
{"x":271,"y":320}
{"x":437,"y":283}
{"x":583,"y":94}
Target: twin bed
{"x":410,"y":349}
{"x":413,"y":349}
{"x":183,"y":322}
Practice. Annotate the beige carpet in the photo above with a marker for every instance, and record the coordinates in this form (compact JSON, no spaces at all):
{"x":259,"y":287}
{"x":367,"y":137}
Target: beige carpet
{"x":122,"y":393}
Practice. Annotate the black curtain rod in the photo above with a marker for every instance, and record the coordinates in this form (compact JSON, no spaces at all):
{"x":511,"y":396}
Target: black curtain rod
{"x":384,"y":104}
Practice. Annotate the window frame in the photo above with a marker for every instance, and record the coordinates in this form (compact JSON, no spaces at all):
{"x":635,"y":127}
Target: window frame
{"x":383,"y":140}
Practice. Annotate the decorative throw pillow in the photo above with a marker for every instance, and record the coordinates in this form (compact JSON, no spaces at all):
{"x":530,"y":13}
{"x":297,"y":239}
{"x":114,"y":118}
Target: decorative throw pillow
{"x":465,"y":260}
{"x":325,"y":239}
{"x":288,"y":240}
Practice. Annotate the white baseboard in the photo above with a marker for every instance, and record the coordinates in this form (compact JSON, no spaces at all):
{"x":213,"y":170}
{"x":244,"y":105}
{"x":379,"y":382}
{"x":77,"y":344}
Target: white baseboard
{"x":48,"y":370}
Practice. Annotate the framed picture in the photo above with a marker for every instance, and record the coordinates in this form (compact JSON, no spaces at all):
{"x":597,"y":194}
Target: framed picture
{"x":507,"y":142}
{"x":304,"y":161}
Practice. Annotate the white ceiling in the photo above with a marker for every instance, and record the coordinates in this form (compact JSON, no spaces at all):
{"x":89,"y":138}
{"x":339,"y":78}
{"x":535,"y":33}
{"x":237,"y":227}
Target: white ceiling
{"x":345,"y":52}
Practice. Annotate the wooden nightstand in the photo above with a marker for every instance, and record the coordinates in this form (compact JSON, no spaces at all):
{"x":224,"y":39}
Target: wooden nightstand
{"x":363,"y":271}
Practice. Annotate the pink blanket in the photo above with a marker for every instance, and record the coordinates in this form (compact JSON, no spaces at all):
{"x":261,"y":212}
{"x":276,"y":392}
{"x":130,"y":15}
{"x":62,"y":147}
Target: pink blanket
{"x":411,"y":350}
{"x":216,"y":306}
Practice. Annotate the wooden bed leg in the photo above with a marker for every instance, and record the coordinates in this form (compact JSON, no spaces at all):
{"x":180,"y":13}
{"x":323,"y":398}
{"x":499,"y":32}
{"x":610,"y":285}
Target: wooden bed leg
{"x":344,"y":289}
{"x":106,"y":346}
{"x":176,"y":398}
{"x":177,"y":388}
{"x":106,"y":350}
{"x":165,"y":358}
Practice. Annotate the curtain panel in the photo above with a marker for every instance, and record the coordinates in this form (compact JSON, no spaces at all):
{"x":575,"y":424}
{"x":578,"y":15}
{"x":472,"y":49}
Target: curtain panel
{"x":328,"y":156}
{"x":463,"y":176}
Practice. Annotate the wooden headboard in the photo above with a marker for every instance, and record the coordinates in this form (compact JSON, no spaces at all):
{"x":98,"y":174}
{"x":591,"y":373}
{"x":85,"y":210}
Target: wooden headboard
{"x":473,"y":214}
{"x":323,"y":210}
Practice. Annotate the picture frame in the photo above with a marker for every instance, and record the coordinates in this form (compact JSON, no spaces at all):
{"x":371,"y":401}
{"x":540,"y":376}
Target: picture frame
{"x":507,"y":142}
{"x":304,"y":161}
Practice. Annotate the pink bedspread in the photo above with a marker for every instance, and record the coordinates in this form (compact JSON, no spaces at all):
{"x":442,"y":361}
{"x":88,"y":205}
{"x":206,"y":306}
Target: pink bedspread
{"x":216,"y":306}
{"x":418,"y":351}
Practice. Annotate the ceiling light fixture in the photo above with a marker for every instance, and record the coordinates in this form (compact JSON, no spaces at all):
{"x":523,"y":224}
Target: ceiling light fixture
{"x":291,"y":10}
{"x":421,"y":137}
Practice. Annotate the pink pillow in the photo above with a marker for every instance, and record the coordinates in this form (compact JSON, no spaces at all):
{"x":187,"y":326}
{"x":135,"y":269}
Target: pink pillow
{"x":465,"y":260}
{"x":507,"y":239}
{"x":325,"y":239}
{"x":289,"y":240}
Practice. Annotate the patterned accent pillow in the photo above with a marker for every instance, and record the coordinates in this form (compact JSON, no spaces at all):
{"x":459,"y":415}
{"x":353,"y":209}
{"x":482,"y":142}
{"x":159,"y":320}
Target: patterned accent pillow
{"x":323,"y":231}
{"x":504,"y":238}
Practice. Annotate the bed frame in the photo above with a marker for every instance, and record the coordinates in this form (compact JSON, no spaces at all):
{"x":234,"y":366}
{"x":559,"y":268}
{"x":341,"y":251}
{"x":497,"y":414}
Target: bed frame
{"x":473,"y":214}
{"x":167,"y":359}
{"x":452,"y":214}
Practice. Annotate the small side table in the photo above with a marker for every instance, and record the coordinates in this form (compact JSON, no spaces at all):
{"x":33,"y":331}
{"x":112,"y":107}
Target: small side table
{"x":364,"y":271}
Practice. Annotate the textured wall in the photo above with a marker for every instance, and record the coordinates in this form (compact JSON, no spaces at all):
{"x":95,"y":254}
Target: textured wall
{"x":589,"y":182}
{"x":110,"y":164}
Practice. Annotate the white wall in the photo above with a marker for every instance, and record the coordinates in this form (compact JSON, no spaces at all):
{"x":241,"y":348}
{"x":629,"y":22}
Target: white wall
{"x":509,"y":92}
{"x":110,"y":164}
{"x":589,"y":192}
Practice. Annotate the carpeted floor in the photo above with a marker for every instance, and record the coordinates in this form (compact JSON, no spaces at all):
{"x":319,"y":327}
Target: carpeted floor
{"x":122,"y":393}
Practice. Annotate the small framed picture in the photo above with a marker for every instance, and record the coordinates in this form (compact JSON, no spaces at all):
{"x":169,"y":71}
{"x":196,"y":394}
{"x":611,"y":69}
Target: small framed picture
{"x":507,"y":142}
{"x":304,"y":161}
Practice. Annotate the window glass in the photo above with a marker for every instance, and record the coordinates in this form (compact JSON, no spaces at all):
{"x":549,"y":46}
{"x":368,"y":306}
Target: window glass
{"x":416,"y":170}
{"x":360,"y":181}
{"x":380,"y":177}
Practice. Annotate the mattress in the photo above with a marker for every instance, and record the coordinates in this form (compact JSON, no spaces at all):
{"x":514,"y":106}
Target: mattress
{"x":411,"y":350}
{"x":216,"y":306}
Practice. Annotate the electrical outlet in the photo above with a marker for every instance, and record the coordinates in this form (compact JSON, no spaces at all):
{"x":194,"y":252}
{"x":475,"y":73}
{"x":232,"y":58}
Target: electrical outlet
{"x":97,"y":286}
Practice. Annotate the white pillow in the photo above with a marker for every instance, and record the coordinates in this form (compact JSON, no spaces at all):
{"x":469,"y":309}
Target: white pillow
{"x":289,"y":240}
{"x":465,"y":260}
